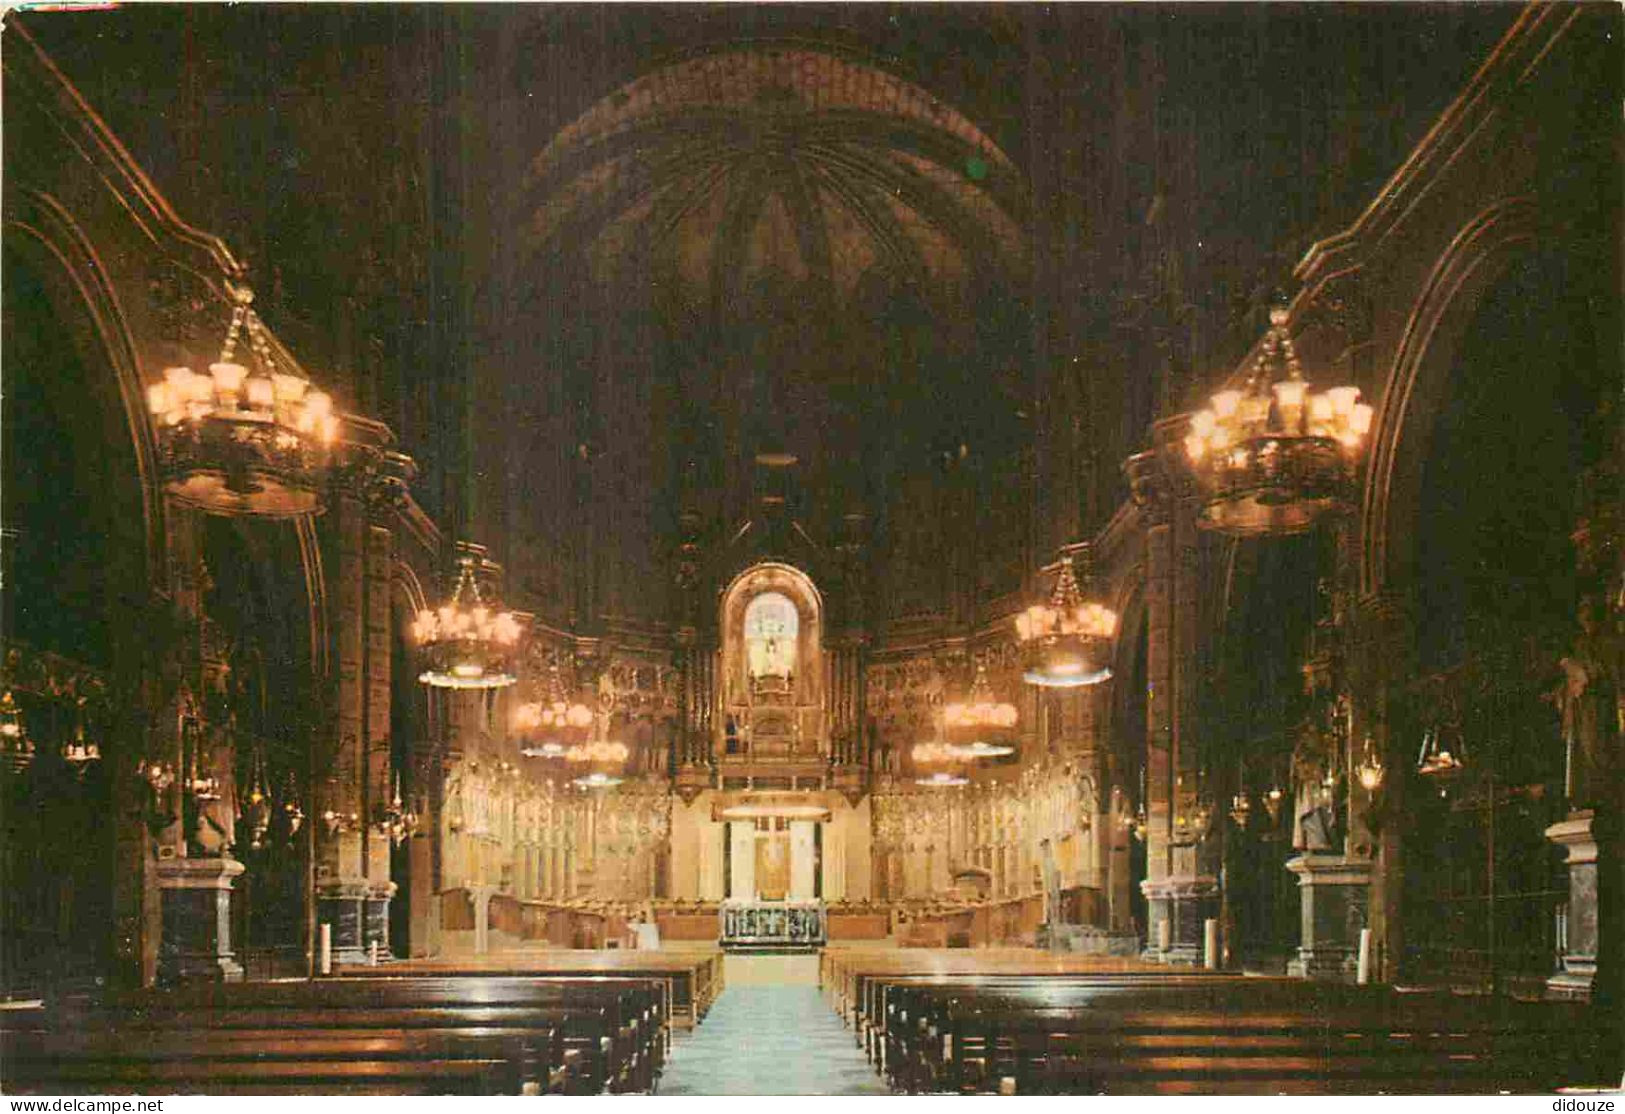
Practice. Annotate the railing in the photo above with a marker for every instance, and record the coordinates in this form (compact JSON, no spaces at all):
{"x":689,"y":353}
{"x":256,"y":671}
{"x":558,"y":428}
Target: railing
{"x":773,"y":924}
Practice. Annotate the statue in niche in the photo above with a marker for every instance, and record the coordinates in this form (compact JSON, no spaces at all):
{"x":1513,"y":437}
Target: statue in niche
{"x":771,"y":627}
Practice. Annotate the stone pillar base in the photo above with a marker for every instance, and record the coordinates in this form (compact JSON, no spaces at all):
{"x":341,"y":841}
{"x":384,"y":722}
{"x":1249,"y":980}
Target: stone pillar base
{"x":342,"y":905}
{"x":1183,"y":903}
{"x":1577,"y":837}
{"x":1335,"y":893}
{"x":195,"y":945}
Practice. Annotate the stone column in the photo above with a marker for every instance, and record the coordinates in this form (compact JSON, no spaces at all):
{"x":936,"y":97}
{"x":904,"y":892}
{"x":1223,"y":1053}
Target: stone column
{"x":1181,"y":888}
{"x":378,"y":786}
{"x":342,"y":885}
{"x":1159,"y":690}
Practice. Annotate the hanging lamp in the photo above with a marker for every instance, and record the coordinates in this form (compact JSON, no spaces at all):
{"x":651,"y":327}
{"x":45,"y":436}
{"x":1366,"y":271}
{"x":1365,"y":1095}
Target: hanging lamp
{"x":466,"y":643}
{"x":981,"y":725}
{"x":549,"y":728}
{"x":247,"y":438}
{"x":1273,"y":457}
{"x":1066,"y":642}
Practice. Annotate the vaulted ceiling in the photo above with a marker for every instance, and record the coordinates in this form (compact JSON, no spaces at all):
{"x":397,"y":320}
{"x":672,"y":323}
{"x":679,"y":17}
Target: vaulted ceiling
{"x":894,"y":242}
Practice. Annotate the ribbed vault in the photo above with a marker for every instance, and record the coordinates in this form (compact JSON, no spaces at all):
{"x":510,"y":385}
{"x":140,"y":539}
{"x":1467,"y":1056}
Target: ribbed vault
{"x":765,"y":168}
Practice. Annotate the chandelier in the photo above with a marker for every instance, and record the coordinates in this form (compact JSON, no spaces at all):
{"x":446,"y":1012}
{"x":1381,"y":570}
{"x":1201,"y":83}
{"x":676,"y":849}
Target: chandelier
{"x":242,"y":440}
{"x":256,"y":811}
{"x":465,"y":643}
{"x":1439,"y":758}
{"x":394,"y":820}
{"x":972,"y":728}
{"x":1066,"y":642}
{"x":606,"y":762}
{"x":1370,"y":771}
{"x":1272,"y":802}
{"x":16,"y":748}
{"x":549,"y":728}
{"x":79,"y":752}
{"x":598,"y":751}
{"x":1193,"y":815}
{"x":1273,"y":457}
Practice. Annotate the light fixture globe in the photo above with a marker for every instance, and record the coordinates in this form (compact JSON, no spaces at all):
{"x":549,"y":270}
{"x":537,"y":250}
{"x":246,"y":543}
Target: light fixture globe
{"x":466,"y":644}
{"x":1274,"y":457}
{"x":549,"y":728}
{"x":1066,"y":642}
{"x":243,"y":438}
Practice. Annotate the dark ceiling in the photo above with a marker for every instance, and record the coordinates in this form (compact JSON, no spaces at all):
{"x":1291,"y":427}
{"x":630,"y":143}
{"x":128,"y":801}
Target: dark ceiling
{"x":882,"y":238}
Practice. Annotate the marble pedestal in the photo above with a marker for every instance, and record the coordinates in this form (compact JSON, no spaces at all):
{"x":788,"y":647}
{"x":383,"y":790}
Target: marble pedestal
{"x":195,"y":945}
{"x":1335,"y":894}
{"x":1579,"y":840}
{"x":343,"y":906}
{"x":1184,"y":904}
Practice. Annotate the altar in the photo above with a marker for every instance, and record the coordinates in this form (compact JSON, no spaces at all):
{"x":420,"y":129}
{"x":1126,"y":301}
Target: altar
{"x":781,"y":926}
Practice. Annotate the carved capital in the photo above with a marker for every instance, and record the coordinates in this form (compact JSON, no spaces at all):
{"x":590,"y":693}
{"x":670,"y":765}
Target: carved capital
{"x":1151,"y":485}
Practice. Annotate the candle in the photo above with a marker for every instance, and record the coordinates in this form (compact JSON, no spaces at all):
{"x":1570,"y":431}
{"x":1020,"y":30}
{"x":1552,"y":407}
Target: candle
{"x":1165,"y":935}
{"x":1363,"y":975}
{"x":1210,"y":944}
{"x":326,"y":947}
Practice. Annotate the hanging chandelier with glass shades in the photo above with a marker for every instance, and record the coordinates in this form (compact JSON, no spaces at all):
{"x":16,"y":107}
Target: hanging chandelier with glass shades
{"x":549,"y":728}
{"x":1066,"y":642}
{"x":466,"y":643}
{"x":245,"y":438}
{"x":980,"y":726}
{"x":1273,"y":457}
{"x":938,"y":764}
{"x":604,"y":763}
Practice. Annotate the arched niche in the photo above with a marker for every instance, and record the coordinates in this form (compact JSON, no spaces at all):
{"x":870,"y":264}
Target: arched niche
{"x":772,"y":698}
{"x":76,"y":513}
{"x":1520,"y":418}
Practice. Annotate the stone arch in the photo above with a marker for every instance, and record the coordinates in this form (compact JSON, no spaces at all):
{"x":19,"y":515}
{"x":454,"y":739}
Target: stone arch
{"x":47,"y":238}
{"x":1479,"y":253}
{"x":803,"y":703}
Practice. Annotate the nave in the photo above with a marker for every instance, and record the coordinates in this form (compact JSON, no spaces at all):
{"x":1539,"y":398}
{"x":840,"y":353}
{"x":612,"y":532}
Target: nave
{"x":846,"y":1022}
{"x":1089,"y":535}
{"x":771,"y":1033}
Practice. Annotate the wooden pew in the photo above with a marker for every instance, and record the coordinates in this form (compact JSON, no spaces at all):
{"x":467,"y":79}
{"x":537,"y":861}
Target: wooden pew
{"x":845,"y":974}
{"x":259,"y":1062}
{"x":694,"y":978}
{"x":1206,"y":1034}
{"x":487,"y":1034}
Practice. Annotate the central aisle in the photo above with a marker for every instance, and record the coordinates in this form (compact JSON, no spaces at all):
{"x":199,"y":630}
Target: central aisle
{"x":769,"y":1038}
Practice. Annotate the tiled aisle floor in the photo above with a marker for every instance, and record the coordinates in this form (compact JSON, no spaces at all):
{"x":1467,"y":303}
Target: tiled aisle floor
{"x":770,"y":1040}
